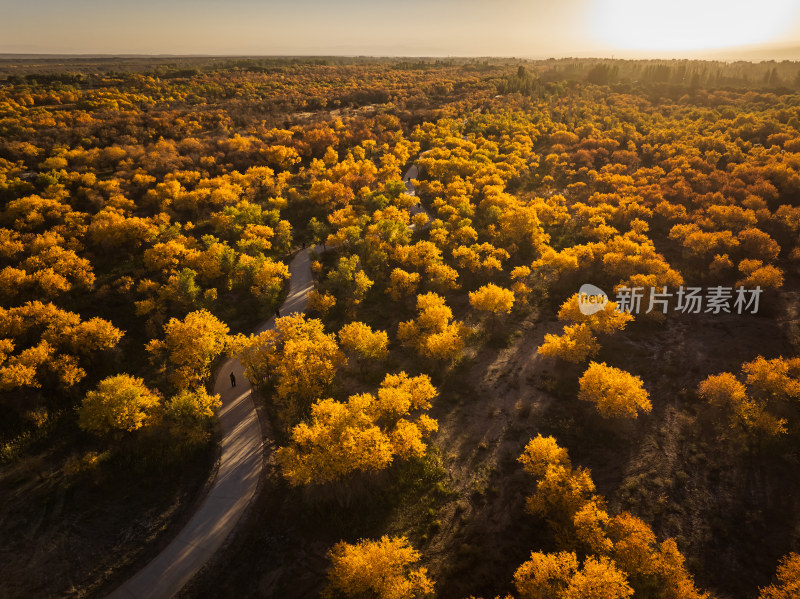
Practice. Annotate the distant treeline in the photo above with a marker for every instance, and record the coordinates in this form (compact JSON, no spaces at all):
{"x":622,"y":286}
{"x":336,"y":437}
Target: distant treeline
{"x":47,"y":78}
{"x":527,"y":77}
{"x":531,"y":77}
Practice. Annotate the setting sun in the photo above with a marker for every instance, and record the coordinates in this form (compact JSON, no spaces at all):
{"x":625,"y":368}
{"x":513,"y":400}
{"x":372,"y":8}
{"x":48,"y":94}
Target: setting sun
{"x":691,"y":24}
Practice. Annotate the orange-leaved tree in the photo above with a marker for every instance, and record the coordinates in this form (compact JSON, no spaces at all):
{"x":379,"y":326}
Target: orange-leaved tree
{"x":382,"y":569}
{"x":788,"y":583}
{"x":754,"y":404}
{"x":615,"y":393}
{"x":558,"y":576}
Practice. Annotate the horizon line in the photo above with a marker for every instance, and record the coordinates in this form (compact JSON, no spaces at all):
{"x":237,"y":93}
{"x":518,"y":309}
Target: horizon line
{"x":614,"y":57}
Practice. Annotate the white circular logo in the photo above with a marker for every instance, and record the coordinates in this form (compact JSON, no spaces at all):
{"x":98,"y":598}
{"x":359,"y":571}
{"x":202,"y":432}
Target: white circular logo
{"x":591,"y":299}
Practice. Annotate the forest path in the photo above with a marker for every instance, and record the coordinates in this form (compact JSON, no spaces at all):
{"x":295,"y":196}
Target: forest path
{"x":240,"y":466}
{"x":241,"y":460}
{"x":413,"y":173}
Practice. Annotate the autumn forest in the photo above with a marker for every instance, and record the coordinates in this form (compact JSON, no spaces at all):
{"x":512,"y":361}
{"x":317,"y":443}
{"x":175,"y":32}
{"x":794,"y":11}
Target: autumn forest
{"x":441,"y":416}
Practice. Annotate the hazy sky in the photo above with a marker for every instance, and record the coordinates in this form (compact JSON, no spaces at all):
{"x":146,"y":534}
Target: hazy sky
{"x":530,"y":28}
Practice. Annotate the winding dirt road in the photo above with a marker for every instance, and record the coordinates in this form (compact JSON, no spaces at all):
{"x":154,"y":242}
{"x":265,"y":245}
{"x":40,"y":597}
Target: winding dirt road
{"x":240,"y":467}
{"x":240,"y":464}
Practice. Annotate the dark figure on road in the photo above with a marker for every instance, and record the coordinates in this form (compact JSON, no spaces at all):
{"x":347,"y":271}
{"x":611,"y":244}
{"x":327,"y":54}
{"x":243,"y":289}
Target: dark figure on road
{"x":304,"y":245}
{"x":233,"y":380}
{"x":277,"y":312}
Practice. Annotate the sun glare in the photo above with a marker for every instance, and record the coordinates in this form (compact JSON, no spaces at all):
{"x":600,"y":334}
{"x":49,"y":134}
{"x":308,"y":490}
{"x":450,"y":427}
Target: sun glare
{"x":677,"y":25}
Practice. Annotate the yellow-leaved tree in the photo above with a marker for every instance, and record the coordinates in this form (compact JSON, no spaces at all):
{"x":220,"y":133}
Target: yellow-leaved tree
{"x":561,"y":490}
{"x":492,"y":299}
{"x":556,"y":575}
{"x":623,"y":555}
{"x":402,"y":283}
{"x":38,"y":339}
{"x":615,"y":393}
{"x":294,"y":364}
{"x":193,"y":410}
{"x":189,"y":347}
{"x":752,"y":405}
{"x":362,"y":343}
{"x":321,"y":302}
{"x":382,"y":569}
{"x":349,"y":282}
{"x":788,"y":584}
{"x":258,"y":355}
{"x":757,"y":274}
{"x":363,"y":434}
{"x":120,"y":403}
{"x":578,"y":341}
{"x":545,"y":575}
{"x":433,"y":333}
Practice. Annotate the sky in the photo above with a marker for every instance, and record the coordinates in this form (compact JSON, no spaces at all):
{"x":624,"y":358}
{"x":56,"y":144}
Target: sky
{"x":752,"y":29}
